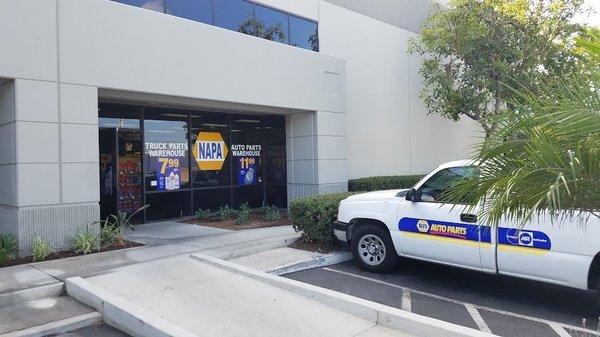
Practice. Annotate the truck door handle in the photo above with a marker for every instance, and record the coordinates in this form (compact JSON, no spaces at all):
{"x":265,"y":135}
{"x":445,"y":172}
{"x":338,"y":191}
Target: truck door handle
{"x":466,"y":217}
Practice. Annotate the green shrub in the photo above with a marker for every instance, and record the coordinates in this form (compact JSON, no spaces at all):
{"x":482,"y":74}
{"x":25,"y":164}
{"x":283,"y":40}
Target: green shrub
{"x":226,"y":213}
{"x":314,"y":215}
{"x":382,"y":183}
{"x":203,"y":214}
{"x":86,"y":241}
{"x":272,"y":213}
{"x":40,"y":248}
{"x":8,"y":247}
{"x":243,"y":215}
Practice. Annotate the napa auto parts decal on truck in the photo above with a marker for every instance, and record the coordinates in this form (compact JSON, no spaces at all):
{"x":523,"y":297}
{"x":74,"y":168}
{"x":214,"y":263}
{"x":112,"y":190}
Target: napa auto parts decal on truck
{"x":380,"y":226}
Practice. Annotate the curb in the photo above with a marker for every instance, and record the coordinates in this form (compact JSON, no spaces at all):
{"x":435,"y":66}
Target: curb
{"x":252,"y":247}
{"x":374,"y":312}
{"x":315,"y":262}
{"x":122,"y":314}
{"x":19,"y":296}
{"x":60,"y":326}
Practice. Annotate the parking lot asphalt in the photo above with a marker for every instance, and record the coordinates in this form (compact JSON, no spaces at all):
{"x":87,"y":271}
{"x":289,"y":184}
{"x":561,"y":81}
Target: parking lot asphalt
{"x":505,"y":306}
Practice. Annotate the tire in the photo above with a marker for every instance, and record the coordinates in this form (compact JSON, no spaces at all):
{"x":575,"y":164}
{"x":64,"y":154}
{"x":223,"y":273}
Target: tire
{"x":373,"y":249}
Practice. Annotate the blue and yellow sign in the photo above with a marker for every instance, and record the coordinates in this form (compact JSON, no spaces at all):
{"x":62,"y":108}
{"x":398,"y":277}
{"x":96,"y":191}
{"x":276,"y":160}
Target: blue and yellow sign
{"x":451,"y":230}
{"x":528,"y":241}
{"x":210,"y":151}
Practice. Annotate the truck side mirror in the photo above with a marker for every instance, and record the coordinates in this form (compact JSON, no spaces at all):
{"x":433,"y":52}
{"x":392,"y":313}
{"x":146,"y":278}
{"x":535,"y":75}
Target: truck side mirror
{"x":413,"y":195}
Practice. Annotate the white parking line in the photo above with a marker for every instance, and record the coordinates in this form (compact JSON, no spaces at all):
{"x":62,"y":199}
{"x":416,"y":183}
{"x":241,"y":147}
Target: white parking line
{"x":481,"y":324}
{"x":559,"y":330}
{"x":406,"y":302}
{"x":479,"y":307}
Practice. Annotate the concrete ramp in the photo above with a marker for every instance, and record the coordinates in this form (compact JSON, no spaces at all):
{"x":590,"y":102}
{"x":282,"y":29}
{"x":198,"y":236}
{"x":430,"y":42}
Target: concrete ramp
{"x":204,"y":300}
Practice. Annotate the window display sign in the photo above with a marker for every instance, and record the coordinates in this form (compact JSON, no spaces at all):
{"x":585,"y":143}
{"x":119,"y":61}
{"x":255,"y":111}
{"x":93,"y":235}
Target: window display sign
{"x":210,"y":151}
{"x":168,"y":170}
{"x":247,"y":157}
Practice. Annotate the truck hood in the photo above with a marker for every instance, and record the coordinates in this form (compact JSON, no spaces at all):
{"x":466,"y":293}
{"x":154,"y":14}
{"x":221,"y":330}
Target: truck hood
{"x":378,"y":195}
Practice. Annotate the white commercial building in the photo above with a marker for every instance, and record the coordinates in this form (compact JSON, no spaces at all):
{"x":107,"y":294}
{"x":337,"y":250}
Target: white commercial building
{"x":109,"y":105}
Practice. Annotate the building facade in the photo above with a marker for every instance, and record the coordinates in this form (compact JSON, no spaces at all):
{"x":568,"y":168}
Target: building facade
{"x":106,"y":106}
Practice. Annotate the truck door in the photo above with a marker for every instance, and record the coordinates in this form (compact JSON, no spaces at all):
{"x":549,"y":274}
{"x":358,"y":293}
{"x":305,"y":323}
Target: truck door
{"x":558,"y":251}
{"x":440,"y":232}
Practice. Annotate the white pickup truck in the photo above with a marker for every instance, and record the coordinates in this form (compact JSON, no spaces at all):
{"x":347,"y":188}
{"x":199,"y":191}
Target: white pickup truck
{"x":380,"y":226}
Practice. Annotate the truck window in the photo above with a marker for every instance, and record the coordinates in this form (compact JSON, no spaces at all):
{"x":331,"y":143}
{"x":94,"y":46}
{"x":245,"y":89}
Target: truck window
{"x":434,"y":188}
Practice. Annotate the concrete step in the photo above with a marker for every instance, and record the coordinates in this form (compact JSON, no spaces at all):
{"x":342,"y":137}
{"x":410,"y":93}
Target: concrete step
{"x":241,"y":249}
{"x":35,"y":293}
{"x":273,"y":258}
{"x":45,"y":316}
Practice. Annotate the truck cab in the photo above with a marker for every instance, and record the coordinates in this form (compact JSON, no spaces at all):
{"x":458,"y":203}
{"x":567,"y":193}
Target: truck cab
{"x":414,"y":223}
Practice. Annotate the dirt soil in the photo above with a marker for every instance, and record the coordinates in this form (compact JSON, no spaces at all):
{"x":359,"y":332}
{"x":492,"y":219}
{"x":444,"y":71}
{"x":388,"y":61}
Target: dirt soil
{"x":316,"y":247}
{"x":70,"y":253}
{"x":257,"y":220}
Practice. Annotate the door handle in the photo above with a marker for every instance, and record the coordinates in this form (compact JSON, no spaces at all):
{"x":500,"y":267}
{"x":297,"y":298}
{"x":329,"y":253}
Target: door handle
{"x":467,"y":217}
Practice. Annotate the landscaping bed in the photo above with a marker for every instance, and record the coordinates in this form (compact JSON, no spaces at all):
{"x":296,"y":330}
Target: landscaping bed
{"x":255,"y":221}
{"x":65,"y":254}
{"x":317,"y":247}
{"x":240,"y":219}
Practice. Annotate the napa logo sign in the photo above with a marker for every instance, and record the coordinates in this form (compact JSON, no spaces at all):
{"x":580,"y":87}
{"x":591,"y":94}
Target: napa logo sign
{"x":210,"y":151}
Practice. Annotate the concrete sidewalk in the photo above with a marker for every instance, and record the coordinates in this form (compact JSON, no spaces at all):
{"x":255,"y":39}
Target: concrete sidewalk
{"x":34,"y":290}
{"x":165,"y":239}
{"x":209,"y":301}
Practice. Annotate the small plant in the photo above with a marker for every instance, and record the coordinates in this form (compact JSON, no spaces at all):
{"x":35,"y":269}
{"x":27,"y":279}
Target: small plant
{"x":226,"y":213}
{"x":112,"y":227}
{"x":8,"y":247}
{"x":202,"y":214}
{"x":86,"y":241}
{"x":40,"y":248}
{"x":272,"y":213}
{"x":243,"y":214}
{"x":109,"y":234}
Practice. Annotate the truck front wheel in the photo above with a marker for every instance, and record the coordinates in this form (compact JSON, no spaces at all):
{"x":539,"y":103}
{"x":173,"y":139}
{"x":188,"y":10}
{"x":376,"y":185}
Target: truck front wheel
{"x":373,"y":249}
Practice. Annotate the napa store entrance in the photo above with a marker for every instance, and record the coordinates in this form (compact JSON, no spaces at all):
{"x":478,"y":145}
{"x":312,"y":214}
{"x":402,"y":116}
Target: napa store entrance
{"x":180,"y":160}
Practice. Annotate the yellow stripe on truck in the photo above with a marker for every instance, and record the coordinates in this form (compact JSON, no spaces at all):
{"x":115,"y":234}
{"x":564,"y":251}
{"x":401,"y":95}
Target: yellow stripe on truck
{"x":447,"y":240}
{"x":521,"y":249}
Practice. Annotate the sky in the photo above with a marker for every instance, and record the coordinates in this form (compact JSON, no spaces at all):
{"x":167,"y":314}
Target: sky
{"x":594,"y":18}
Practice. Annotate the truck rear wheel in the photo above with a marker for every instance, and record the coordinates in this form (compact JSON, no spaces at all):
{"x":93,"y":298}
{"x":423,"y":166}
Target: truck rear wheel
{"x":373,"y":249}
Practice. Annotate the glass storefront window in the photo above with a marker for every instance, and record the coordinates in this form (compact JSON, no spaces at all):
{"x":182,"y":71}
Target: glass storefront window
{"x":196,"y":10}
{"x":271,"y":24}
{"x":168,"y":205}
{"x":153,"y":5}
{"x":275,"y":156}
{"x":247,"y":159}
{"x":207,"y":170}
{"x":246,"y":150}
{"x":166,"y":150}
{"x":212,"y":198}
{"x":275,"y":162}
{"x":232,"y":14}
{"x":177,"y":161}
{"x":304,"y":33}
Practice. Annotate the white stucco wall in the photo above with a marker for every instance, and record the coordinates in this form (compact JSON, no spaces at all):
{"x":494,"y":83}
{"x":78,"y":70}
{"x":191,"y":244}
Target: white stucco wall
{"x":388,"y":129}
{"x":146,"y":51}
{"x":61,"y":55}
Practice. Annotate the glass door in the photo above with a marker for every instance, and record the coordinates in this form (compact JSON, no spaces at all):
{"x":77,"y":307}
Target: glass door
{"x":120,"y":143}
